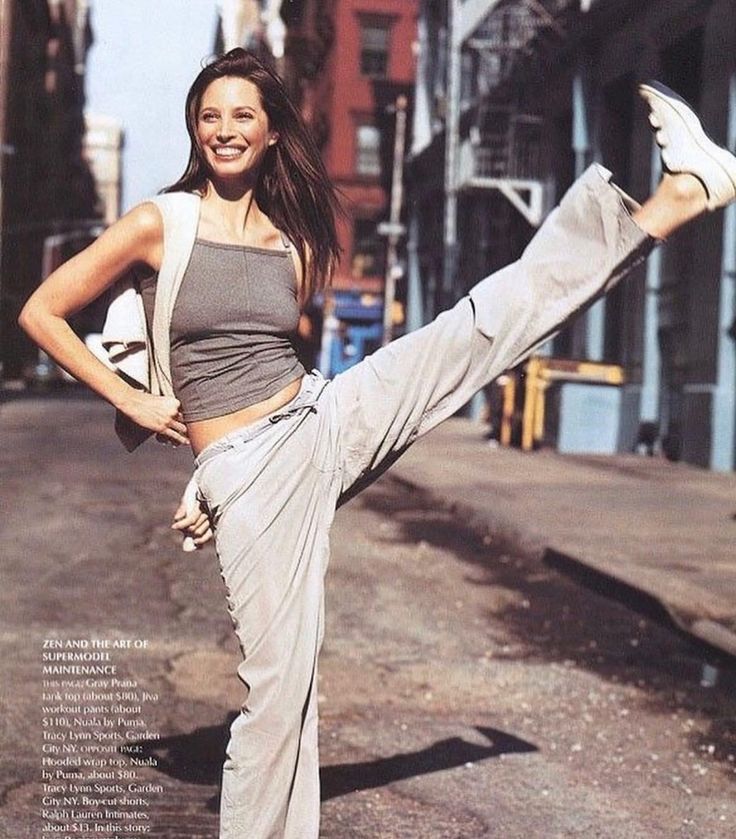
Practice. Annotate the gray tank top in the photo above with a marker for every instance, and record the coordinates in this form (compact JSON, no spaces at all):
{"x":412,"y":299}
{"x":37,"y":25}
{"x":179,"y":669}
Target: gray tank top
{"x":232,"y":328}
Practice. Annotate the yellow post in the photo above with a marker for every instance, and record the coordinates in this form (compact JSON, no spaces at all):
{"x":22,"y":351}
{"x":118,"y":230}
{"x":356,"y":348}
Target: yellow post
{"x":507,"y":414}
{"x":541,"y":395}
{"x":527,"y":423}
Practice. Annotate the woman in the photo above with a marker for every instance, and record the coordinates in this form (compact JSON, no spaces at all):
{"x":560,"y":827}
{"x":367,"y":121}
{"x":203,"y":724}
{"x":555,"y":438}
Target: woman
{"x":277,"y":450}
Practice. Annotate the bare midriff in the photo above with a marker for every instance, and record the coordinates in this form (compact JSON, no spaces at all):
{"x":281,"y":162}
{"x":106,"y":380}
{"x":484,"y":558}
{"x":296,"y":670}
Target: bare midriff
{"x":203,"y":432}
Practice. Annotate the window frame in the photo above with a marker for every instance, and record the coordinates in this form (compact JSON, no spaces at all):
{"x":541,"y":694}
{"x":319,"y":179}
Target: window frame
{"x":362,"y":151}
{"x":367,"y":53}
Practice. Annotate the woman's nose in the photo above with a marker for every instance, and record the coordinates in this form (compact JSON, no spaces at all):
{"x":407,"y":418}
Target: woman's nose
{"x":225,"y":131}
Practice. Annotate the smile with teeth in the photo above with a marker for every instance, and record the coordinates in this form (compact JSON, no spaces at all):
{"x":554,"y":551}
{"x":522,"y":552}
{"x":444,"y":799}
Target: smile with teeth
{"x":228,"y":152}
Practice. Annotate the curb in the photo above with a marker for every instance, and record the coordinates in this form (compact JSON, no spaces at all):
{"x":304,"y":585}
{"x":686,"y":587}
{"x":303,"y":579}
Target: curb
{"x":704,"y":630}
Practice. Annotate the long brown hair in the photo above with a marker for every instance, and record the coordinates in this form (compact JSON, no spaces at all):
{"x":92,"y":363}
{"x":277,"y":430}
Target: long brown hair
{"x":293,"y":188}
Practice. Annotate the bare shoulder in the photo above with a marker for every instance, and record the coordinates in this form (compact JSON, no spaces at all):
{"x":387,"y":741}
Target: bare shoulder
{"x":139,"y":233}
{"x":145,"y":222}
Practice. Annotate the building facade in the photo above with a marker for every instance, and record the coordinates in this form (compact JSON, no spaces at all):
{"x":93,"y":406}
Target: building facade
{"x":103,"y":143}
{"x":347,"y":62}
{"x":256,"y":25}
{"x":541,"y":90}
{"x":47,"y":188}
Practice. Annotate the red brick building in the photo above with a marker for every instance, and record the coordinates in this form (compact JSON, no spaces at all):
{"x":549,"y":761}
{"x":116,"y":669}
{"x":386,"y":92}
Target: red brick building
{"x":347,"y":60}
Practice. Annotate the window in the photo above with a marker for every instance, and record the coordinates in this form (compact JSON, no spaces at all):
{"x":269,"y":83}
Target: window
{"x":368,"y":250}
{"x":374,"y":43}
{"x":368,"y":150}
{"x":468,"y":78}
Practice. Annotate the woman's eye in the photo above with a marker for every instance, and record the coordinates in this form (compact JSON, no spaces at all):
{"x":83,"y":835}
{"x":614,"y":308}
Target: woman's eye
{"x":244,"y":115}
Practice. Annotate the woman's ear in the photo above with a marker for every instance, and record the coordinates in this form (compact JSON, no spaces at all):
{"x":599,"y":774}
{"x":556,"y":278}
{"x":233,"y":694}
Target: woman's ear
{"x":273,"y":139}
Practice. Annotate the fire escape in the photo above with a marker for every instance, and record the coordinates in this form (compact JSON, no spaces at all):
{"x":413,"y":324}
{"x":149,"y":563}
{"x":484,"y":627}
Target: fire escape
{"x":309,"y":42}
{"x":503,"y":148}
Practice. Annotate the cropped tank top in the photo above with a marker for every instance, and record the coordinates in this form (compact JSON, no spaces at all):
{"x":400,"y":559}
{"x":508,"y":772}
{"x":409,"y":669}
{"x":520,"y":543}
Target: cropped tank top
{"x":232,"y":328}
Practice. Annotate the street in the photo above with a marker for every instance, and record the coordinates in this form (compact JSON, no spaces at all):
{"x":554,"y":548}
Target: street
{"x":466,"y":690}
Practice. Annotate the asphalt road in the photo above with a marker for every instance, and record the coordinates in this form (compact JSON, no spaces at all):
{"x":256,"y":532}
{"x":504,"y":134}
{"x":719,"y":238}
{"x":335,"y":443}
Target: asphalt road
{"x":465,"y":690}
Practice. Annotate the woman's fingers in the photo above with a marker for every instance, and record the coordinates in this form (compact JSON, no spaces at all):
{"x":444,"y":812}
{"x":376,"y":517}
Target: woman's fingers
{"x":196,"y":526}
{"x":196,"y":522}
{"x":177,"y":434}
{"x":184,"y":521}
{"x":193,"y":521}
{"x":178,"y":426}
{"x":176,"y":431}
{"x":200,"y":527}
{"x":171,"y":420}
{"x":190,"y":523}
{"x":205,"y":537}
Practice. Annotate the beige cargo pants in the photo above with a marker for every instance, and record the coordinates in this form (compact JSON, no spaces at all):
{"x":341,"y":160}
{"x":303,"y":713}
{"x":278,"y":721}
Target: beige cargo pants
{"x":273,"y":487}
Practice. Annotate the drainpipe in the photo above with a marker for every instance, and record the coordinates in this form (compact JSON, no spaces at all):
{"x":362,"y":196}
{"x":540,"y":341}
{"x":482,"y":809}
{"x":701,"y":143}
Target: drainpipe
{"x":421,"y":136}
{"x":723,"y":410}
{"x":395,"y":230}
{"x":452,"y":127}
{"x":581,"y":144}
{"x":414,"y":291}
{"x":6,"y":35}
{"x":652,"y":362}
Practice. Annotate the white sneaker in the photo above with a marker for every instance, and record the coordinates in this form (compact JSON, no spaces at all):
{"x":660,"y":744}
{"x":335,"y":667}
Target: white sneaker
{"x":686,"y":147}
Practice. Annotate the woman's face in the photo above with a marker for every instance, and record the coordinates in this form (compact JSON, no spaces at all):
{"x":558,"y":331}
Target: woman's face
{"x":232,"y":128}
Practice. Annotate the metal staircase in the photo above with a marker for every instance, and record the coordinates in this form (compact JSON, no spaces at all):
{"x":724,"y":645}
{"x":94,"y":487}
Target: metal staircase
{"x":503,"y":148}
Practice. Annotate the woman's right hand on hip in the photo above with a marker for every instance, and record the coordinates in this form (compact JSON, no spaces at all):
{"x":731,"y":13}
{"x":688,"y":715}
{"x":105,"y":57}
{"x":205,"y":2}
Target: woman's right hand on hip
{"x":161,"y":414}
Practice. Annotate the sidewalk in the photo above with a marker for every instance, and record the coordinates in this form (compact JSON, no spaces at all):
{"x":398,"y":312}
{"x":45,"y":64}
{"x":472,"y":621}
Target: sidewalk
{"x":667,"y":530}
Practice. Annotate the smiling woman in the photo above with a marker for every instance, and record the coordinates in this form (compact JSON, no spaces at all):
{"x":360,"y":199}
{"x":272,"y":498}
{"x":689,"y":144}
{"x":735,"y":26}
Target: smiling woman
{"x":233,"y":129}
{"x":250,"y":151}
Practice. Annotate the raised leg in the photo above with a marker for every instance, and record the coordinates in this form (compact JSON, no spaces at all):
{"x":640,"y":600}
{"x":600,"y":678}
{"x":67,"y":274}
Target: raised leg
{"x":583,"y":248}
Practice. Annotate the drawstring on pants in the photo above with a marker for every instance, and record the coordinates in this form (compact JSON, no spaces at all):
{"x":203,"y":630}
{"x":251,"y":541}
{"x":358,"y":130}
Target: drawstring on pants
{"x":274,"y":418}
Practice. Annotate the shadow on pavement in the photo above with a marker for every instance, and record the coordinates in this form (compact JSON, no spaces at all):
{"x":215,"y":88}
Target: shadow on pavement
{"x":612,"y":589}
{"x":196,"y":758}
{"x":343,"y":778}
{"x":564,"y":613}
{"x":554,"y":587}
